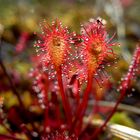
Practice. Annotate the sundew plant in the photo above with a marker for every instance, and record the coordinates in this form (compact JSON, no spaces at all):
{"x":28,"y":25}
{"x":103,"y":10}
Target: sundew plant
{"x":68,"y":68}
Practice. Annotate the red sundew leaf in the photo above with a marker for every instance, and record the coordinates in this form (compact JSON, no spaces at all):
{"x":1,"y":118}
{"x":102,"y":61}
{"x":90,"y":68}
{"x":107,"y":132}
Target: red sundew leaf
{"x":132,"y":71}
{"x":95,"y":46}
{"x":54,"y":46}
{"x":41,"y":86}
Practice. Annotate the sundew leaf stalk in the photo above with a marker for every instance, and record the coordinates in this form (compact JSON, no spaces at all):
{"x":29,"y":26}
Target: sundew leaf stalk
{"x":54,"y":45}
{"x":94,"y":49}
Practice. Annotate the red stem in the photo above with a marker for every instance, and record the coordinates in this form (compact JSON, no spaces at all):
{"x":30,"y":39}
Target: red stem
{"x":98,"y":130}
{"x":82,"y":107}
{"x":65,"y":100}
{"x":46,"y":106}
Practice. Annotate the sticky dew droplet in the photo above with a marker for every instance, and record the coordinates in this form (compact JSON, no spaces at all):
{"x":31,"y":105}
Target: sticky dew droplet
{"x":133,"y":89}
